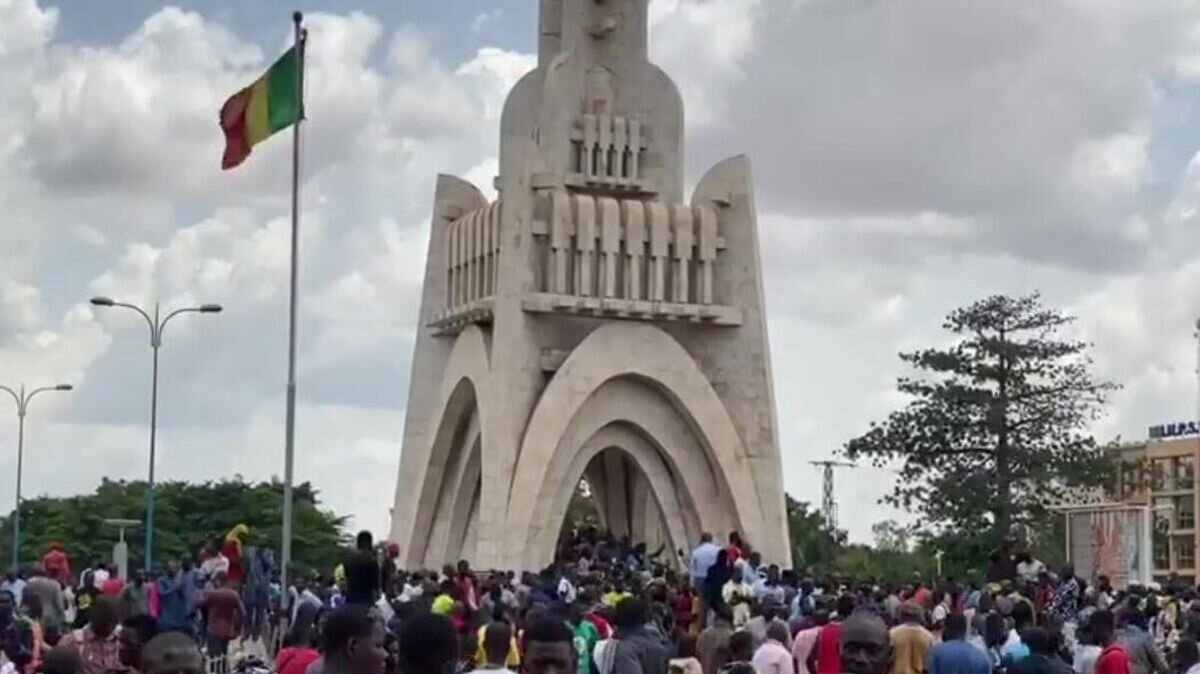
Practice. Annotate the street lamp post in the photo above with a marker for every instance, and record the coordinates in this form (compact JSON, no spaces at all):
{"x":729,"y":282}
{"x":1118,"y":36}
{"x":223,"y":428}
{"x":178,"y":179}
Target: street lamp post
{"x":22,"y":399}
{"x":156,"y":324}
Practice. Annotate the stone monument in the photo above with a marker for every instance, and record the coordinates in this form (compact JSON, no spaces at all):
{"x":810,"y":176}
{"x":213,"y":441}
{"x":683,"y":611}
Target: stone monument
{"x":590,"y":323}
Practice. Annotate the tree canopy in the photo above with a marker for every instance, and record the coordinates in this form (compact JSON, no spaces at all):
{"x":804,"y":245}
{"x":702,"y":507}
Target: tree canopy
{"x":186,"y":515}
{"x":997,"y":428}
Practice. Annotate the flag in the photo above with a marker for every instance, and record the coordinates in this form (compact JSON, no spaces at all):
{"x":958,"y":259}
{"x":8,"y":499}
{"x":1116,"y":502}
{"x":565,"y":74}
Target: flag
{"x":255,"y":113}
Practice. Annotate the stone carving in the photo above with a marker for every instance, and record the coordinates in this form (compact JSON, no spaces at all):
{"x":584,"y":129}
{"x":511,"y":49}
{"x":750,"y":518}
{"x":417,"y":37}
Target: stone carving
{"x":590,"y":323}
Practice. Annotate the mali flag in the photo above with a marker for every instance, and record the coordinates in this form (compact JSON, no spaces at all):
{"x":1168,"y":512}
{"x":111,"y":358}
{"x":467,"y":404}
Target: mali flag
{"x":255,"y":113}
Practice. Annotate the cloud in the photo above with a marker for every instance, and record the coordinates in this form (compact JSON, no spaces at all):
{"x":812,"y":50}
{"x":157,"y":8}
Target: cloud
{"x":125,"y":139}
{"x":909,"y":159}
{"x":1018,"y":120}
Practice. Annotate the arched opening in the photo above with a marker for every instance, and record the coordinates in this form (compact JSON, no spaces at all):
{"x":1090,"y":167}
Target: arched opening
{"x":615,"y":507}
{"x":453,"y":482}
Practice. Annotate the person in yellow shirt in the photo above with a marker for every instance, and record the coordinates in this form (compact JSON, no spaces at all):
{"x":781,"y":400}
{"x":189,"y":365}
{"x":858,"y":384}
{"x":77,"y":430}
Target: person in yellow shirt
{"x":911,"y":642}
{"x":443,"y":604}
{"x":491,"y":649}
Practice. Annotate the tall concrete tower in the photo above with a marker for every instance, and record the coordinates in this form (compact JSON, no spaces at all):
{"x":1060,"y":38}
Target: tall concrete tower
{"x":590,"y":323}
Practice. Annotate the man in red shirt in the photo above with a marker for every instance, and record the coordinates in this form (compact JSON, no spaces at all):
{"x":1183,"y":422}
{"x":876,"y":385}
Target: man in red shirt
{"x":225,"y":615}
{"x":829,"y":641}
{"x":57,"y":564}
{"x":1114,"y":659}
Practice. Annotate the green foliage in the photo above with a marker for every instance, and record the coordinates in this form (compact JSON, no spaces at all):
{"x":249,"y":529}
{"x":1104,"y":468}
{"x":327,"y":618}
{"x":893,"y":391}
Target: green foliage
{"x":583,"y":511}
{"x":186,"y":515}
{"x":996,"y":432}
{"x":813,"y":545}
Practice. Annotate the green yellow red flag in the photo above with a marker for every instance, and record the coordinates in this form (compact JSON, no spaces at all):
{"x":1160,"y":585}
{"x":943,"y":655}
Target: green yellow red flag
{"x":253,"y":114}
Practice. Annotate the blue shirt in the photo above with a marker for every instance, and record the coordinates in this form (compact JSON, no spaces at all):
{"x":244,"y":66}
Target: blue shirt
{"x":958,"y":657}
{"x":703,"y":558}
{"x":173,"y":610}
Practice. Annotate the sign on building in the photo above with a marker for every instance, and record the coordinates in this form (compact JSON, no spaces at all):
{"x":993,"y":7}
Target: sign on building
{"x":1112,"y":541}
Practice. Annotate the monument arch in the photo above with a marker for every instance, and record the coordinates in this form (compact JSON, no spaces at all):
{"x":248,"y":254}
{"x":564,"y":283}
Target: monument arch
{"x":590,"y":324}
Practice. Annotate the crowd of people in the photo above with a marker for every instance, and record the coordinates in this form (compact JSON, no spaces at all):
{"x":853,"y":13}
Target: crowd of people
{"x":607,"y":606}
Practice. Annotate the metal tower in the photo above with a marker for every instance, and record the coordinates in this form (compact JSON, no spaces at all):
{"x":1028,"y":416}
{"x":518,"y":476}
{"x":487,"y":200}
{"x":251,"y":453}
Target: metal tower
{"x":828,"y":503}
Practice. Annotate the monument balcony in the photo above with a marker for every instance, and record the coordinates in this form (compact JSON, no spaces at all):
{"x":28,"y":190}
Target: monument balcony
{"x":593,"y":256}
{"x":471,"y":269}
{"x":626,"y":258}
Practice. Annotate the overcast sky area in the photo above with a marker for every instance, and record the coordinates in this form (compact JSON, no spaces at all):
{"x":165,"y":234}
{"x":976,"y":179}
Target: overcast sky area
{"x":909,"y":158}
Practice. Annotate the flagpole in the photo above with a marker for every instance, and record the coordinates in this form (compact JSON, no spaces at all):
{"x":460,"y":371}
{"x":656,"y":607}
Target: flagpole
{"x":290,"y":430}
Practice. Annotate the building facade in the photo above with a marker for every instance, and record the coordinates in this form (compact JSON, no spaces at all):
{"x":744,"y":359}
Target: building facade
{"x":1161,"y":473}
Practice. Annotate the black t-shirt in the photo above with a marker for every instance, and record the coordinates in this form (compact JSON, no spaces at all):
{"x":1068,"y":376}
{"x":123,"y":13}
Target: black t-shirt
{"x":362,"y":578}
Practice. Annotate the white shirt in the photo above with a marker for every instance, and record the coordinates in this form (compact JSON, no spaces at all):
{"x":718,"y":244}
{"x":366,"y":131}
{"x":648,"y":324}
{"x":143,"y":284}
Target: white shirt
{"x":1030,"y":570}
{"x":1086,"y":657}
{"x":214,"y":565}
{"x":99,"y":578}
{"x":411,"y":592}
{"x":566,"y":591}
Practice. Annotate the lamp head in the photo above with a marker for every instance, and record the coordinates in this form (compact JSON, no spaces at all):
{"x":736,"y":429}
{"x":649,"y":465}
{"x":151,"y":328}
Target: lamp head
{"x":211,"y":308}
{"x":103,"y":301}
{"x":64,"y":387}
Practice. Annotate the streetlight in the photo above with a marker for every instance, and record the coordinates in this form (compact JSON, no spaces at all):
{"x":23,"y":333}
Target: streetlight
{"x":22,"y":399}
{"x":156,"y":332}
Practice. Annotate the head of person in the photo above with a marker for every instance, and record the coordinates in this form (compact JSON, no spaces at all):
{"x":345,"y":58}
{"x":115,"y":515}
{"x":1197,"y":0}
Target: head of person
{"x":866,"y":647}
{"x":549,"y":647}
{"x":706,"y":538}
{"x":820,"y":617}
{"x":497,"y":638}
{"x":735,"y":538}
{"x":62,"y":660}
{"x":428,"y":645}
{"x":1068,"y":572}
{"x":736,"y":574}
{"x":464,"y":567}
{"x":631,"y":615}
{"x":1038,"y":640}
{"x":910,"y":613}
{"x":7,"y":604}
{"x":172,"y":653}
{"x":136,"y":632}
{"x":303,"y":632}
{"x":364,"y":541}
{"x":1102,"y":625}
{"x":741,"y":646}
{"x":955,"y":627}
{"x":1022,"y":615}
{"x":352,"y":642}
{"x":778,"y":631}
{"x":106,"y":615}
{"x":31,"y":605}
{"x":845,"y":606}
{"x":1126,"y":616}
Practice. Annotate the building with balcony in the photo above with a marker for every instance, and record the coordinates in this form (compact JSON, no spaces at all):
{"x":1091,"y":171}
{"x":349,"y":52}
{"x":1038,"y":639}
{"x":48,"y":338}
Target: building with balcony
{"x":1161,"y":473}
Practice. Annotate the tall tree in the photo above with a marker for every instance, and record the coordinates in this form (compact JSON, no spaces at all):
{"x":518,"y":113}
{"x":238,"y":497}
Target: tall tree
{"x":997,"y":428}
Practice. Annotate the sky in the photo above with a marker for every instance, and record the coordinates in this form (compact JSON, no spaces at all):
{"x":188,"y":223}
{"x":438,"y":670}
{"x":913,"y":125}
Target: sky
{"x":910,"y":158}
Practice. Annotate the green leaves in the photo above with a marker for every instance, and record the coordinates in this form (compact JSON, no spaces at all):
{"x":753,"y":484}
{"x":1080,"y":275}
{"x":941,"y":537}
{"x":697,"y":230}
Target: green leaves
{"x":186,"y":515}
{"x":997,"y":430}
